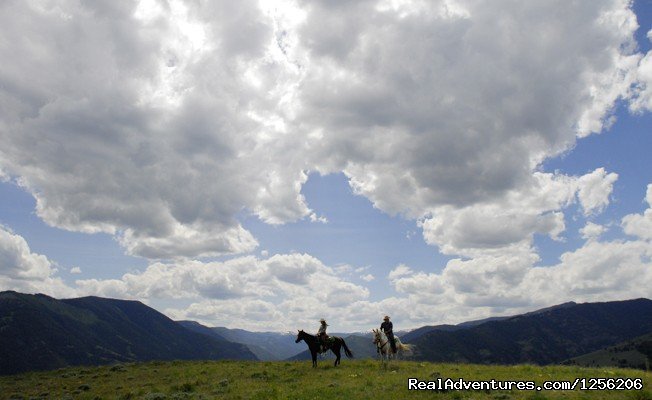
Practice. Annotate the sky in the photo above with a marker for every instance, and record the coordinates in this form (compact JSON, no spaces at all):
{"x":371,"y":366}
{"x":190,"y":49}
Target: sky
{"x":262,"y":165}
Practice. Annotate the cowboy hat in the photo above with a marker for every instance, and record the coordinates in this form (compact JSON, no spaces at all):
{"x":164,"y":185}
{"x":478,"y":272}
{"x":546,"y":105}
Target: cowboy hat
{"x":386,"y":317}
{"x":323,"y":321}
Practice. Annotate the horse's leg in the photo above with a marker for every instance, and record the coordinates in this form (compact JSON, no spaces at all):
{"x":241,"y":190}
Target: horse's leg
{"x":313,"y":353}
{"x":336,"y":351}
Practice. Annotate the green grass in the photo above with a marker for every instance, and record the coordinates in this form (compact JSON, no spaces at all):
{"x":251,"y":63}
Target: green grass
{"x":359,"y":379}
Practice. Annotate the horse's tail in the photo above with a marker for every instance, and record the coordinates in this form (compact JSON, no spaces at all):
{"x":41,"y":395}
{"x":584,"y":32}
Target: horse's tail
{"x":407,"y":347}
{"x":348,"y":352}
{"x":404,"y":346}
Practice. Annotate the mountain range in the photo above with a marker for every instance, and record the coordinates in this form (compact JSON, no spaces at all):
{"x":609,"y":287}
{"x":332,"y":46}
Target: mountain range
{"x":546,"y":336}
{"x":38,"y":332}
{"x":266,"y":346}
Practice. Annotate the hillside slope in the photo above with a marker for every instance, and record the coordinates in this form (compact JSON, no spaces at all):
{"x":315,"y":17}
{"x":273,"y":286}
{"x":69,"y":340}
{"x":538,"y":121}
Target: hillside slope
{"x":38,"y":332}
{"x":545,"y":337}
{"x":634,"y":353}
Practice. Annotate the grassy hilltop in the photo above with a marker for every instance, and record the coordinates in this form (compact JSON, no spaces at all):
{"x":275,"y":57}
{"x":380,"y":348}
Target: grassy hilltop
{"x":359,"y":379}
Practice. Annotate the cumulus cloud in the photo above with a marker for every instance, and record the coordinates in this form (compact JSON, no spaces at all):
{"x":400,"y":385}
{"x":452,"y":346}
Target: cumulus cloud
{"x":255,"y":315}
{"x":595,"y":189}
{"x":642,"y":98}
{"x":160,"y":124}
{"x":399,"y":271}
{"x":189,"y":241}
{"x":143,"y":124}
{"x":23,"y":270}
{"x":592,"y":230}
{"x":294,"y":285}
{"x":509,"y":223}
{"x":482,"y":287}
{"x":640,"y":225}
{"x":419,"y":111}
{"x":511,"y":282}
{"x":18,"y":262}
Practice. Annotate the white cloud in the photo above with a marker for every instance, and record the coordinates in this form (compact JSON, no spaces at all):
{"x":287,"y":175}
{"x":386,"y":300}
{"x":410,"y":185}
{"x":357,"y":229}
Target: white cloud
{"x":399,"y":271}
{"x":612,"y":270}
{"x":419,"y":111}
{"x":256,"y":315}
{"x":144,"y":128}
{"x":75,"y":270}
{"x":643,"y":91}
{"x":592,"y":231}
{"x":595,"y":189}
{"x":22,"y":270}
{"x":315,"y":218}
{"x":511,"y":282}
{"x":509,"y":223}
{"x":492,"y":286}
{"x":640,"y":225}
{"x":201,"y":112}
{"x":222,"y":292}
{"x":367,"y":277}
{"x":18,"y":262}
{"x":189,"y":241}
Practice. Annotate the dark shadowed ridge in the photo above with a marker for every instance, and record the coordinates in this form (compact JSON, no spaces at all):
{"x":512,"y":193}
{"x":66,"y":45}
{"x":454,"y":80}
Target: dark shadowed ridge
{"x":38,"y":332}
{"x":260,"y":352}
{"x":542,"y":337}
{"x":634,"y":353}
{"x":416,"y":333}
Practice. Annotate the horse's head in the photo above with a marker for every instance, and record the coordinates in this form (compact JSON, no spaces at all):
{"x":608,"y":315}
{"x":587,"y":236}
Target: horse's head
{"x":300,"y":336}
{"x":376,"y":334}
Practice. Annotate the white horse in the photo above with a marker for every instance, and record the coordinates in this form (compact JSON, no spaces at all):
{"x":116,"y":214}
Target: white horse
{"x":384,"y":348}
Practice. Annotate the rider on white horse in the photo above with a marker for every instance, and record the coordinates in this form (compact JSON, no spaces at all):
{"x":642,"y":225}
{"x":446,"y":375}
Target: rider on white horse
{"x":384,"y":349}
{"x":388,"y":328}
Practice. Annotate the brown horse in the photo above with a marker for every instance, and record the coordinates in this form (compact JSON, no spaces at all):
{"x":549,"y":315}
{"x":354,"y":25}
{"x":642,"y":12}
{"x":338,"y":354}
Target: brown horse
{"x":315,"y":347}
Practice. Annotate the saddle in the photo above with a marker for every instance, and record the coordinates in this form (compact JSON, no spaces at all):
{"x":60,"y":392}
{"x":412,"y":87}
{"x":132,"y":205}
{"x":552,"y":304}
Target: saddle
{"x":326,"y":342}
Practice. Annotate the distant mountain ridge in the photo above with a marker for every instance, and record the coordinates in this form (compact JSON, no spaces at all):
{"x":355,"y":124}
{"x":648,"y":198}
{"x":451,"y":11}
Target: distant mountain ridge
{"x":267,"y":346}
{"x":542,"y":337}
{"x":38,"y":332}
{"x":416,"y":333}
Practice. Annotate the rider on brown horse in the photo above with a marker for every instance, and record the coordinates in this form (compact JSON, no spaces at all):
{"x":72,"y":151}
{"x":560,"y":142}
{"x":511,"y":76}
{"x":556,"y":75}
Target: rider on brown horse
{"x":321,"y":334}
